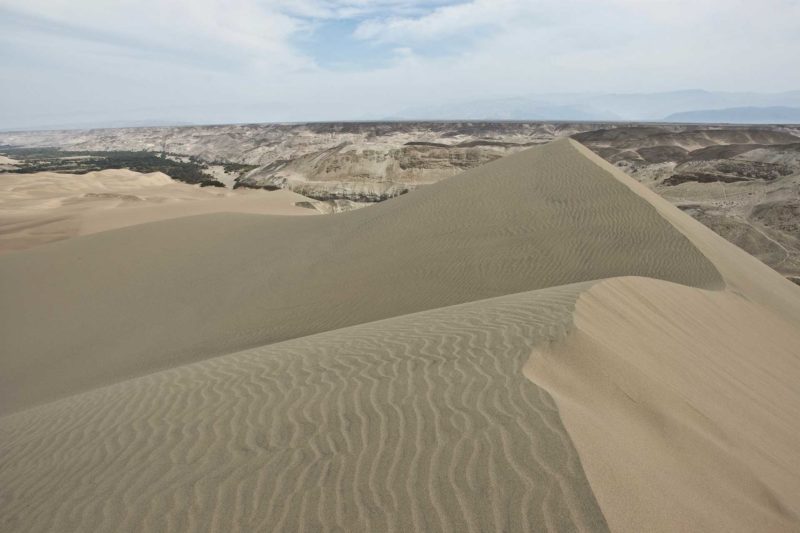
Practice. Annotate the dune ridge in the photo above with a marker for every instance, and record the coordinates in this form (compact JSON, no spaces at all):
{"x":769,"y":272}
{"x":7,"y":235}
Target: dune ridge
{"x":740,"y":272}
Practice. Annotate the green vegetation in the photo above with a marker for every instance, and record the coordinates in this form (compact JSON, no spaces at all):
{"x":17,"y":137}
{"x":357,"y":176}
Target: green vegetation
{"x":80,"y":162}
{"x":239,"y":168}
{"x":239,"y":185}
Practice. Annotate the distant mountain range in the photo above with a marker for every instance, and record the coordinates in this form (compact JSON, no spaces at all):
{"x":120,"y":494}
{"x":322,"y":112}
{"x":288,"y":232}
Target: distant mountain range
{"x":741,"y":115}
{"x":651,"y":107}
{"x":517,"y":108}
{"x":673,"y":106}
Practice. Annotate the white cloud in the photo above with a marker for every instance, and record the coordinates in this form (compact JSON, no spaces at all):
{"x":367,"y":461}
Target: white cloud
{"x":190,"y":27}
{"x":175,"y":54}
{"x":449,"y":20}
{"x":618,"y":45}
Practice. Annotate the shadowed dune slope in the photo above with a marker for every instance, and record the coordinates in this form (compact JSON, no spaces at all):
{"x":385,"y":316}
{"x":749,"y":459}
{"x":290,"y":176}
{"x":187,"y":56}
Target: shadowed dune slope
{"x":94,"y":310}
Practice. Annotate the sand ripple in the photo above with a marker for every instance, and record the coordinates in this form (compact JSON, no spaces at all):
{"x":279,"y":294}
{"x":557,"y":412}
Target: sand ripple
{"x":422,"y":422}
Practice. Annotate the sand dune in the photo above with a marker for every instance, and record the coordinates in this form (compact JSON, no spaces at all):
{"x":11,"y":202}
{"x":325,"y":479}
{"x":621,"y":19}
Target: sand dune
{"x":418,"y":423}
{"x":537,"y":344}
{"x":49,"y":206}
{"x":208,"y":285}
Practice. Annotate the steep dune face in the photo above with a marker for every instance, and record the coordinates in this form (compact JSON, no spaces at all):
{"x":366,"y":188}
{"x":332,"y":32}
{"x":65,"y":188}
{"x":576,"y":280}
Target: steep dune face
{"x":741,"y":182}
{"x":683,"y":406}
{"x":741,"y":272}
{"x":202,"y":286}
{"x":538,"y":344}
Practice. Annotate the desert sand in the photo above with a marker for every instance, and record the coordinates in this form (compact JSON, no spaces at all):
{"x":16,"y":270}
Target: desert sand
{"x":540,"y":343}
{"x":198,"y":287}
{"x":49,"y":206}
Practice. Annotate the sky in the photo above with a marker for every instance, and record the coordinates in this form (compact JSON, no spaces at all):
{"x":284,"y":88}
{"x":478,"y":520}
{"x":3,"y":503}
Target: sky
{"x":222,"y":61}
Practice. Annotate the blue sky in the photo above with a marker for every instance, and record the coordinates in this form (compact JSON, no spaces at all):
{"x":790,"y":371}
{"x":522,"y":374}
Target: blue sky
{"x":202,"y":61}
{"x":333,"y":45}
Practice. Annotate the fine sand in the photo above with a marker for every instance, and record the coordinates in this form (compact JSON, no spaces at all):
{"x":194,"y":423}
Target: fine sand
{"x":49,"y":206}
{"x":418,"y":423}
{"x":536,"y":344}
{"x":683,"y":405}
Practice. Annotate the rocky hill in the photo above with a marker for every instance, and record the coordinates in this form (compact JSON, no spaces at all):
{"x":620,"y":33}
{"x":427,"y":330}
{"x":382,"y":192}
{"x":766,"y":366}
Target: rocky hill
{"x":353,"y":161}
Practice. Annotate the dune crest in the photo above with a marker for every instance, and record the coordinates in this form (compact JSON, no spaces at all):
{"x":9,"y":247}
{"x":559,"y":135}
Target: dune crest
{"x":740,"y":271}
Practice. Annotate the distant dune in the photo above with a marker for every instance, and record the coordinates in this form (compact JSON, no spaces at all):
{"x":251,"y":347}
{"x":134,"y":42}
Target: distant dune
{"x":48,"y":206}
{"x":539,"y":343}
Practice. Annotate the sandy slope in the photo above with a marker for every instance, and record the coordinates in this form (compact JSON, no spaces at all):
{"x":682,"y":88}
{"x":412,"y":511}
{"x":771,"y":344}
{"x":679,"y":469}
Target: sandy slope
{"x":629,"y":370}
{"x":203,"y":286}
{"x":683,"y":402}
{"x":50,"y":206}
{"x":418,"y":423}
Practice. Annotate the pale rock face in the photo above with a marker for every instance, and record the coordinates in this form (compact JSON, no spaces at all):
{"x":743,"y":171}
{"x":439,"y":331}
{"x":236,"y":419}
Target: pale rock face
{"x":372,"y":174}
